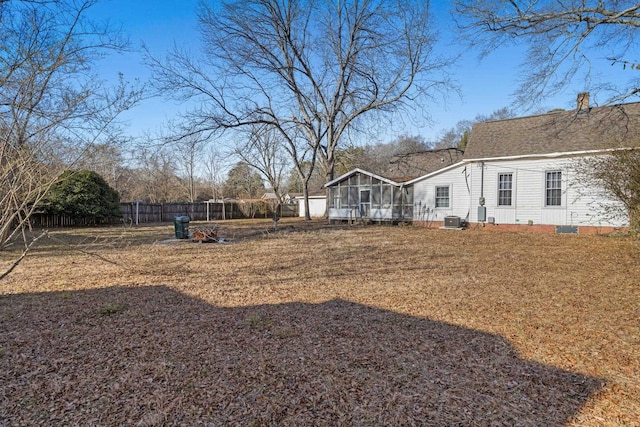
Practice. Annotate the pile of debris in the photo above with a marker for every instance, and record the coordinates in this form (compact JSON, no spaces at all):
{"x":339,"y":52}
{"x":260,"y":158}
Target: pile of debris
{"x":206,"y":235}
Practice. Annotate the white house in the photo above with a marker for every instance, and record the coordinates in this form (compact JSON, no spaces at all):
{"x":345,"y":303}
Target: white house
{"x":514,"y":172}
{"x":522,"y":171}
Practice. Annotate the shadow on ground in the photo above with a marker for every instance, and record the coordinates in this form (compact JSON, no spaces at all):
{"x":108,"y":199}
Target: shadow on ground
{"x":154,"y":356}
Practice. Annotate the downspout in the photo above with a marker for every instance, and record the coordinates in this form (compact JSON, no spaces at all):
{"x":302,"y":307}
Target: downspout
{"x":402,"y":200}
{"x":482,"y":183}
{"x":482,"y":211}
{"x":466,"y":181}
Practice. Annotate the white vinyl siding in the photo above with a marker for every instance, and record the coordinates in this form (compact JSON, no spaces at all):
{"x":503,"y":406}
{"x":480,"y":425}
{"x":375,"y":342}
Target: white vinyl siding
{"x":578,"y":205}
{"x":424,"y":195}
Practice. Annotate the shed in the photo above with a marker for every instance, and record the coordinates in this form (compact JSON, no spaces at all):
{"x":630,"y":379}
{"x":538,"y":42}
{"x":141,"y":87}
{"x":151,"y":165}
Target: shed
{"x":317,"y":205}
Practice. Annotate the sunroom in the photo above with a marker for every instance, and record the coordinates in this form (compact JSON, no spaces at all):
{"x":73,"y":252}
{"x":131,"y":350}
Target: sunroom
{"x":363,"y":196}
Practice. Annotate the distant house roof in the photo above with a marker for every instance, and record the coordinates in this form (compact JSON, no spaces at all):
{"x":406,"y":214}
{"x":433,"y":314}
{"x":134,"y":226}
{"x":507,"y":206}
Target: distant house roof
{"x":404,"y":167}
{"x":586,"y":129}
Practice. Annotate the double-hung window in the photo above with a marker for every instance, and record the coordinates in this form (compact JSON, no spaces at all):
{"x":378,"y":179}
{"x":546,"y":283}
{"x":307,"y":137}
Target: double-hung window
{"x":553,"y":188}
{"x":505,"y":189}
{"x":442,"y":197}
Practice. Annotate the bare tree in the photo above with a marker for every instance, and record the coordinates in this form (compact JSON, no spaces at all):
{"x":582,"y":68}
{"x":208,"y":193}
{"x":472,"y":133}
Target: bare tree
{"x":315,"y":180}
{"x":376,"y":158}
{"x":106,"y":159}
{"x":617,"y":175}
{"x":564,"y":37}
{"x":50,"y":100}
{"x":156,"y":177}
{"x":189,"y":156}
{"x":307,"y":69}
{"x":214,"y":167}
{"x":244,"y":182}
{"x":263,"y":151}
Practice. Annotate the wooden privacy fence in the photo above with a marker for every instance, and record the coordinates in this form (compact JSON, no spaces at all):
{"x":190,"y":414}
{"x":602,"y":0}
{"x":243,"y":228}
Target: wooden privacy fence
{"x":142,"y":213}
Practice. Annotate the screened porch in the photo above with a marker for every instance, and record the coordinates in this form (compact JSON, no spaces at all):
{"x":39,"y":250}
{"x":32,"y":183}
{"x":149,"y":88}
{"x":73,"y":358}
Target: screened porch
{"x":363,"y":196}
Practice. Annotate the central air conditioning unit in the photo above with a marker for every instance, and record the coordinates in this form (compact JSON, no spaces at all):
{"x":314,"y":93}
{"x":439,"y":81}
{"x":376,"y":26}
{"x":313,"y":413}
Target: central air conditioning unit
{"x":452,"y":221}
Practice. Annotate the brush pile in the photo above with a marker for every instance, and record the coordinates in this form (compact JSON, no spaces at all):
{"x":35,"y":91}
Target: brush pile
{"x":207,"y":234}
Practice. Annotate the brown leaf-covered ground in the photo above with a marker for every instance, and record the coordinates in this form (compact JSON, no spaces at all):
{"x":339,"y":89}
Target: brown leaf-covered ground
{"x":319,"y":325}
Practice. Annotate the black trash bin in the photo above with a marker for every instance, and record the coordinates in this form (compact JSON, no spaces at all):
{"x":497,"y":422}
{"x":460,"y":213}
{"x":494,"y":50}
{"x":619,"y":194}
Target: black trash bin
{"x":181,"y":226}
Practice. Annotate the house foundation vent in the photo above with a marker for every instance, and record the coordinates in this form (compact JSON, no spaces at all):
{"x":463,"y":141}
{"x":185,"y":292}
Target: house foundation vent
{"x":566,"y":229}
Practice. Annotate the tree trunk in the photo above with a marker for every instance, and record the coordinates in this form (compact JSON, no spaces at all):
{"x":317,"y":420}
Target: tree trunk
{"x":634,"y":221}
{"x":307,"y":214}
{"x":330,"y":167}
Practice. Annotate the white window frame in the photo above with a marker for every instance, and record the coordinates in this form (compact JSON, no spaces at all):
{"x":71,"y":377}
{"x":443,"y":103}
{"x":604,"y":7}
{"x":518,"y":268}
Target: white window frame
{"x":547,"y":189}
{"x":510,"y":189}
{"x":435,"y":196}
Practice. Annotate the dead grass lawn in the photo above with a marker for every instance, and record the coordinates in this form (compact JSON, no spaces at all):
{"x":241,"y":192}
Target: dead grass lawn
{"x":317,"y":325}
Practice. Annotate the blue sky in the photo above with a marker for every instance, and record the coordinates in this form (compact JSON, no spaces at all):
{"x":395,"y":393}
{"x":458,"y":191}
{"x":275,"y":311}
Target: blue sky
{"x":485,"y":85}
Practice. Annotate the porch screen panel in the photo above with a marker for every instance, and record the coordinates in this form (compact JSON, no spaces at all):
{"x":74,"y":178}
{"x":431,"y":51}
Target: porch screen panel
{"x":344,"y":197}
{"x":386,"y":195}
{"x":408,"y":202}
{"x":334,"y":197}
{"x":397,"y":196}
{"x":354,"y":198}
{"x":376,"y":194}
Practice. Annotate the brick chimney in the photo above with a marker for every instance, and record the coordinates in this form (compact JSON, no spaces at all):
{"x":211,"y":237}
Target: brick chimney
{"x":583,"y":101}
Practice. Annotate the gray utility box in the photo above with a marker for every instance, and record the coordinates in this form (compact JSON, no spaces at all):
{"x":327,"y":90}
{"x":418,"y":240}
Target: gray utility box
{"x":482,"y":213}
{"x":181,"y":225}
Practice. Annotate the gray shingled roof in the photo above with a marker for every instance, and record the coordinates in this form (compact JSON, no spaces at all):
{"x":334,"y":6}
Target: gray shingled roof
{"x":404,"y":167}
{"x":558,"y":132}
